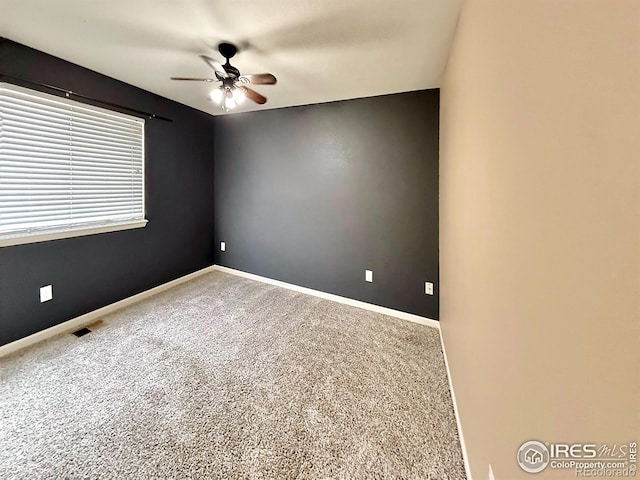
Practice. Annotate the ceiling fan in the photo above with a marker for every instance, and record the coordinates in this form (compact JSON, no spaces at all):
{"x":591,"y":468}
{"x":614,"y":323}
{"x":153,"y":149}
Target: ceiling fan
{"x":233,"y":89}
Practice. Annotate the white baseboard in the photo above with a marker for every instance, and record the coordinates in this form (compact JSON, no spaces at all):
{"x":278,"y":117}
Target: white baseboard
{"x":87,"y":318}
{"x":335,"y":298}
{"x":463,"y":446}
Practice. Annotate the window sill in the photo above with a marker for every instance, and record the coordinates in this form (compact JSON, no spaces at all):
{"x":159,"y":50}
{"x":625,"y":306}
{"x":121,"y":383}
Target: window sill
{"x":59,"y":234}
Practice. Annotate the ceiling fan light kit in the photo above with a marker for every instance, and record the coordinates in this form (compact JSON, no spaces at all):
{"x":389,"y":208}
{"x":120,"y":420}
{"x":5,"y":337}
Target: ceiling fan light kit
{"x":233,"y":90}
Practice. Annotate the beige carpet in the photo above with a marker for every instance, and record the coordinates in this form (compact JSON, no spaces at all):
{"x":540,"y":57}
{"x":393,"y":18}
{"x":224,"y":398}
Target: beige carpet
{"x":224,"y":377}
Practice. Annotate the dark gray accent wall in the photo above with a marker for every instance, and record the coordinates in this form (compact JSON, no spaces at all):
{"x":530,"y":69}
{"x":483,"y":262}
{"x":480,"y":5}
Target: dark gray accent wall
{"x":315,"y":195}
{"x":93,"y":271}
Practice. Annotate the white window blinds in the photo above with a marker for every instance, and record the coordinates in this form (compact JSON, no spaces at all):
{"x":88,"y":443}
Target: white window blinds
{"x":66,"y":166}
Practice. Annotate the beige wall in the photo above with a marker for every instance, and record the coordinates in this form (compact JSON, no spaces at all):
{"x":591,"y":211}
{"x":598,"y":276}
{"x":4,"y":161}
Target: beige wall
{"x":540,"y":225}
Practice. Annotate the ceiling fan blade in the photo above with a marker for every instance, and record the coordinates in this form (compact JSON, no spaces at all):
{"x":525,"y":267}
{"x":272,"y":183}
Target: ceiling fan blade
{"x":253,"y":95}
{"x":259,"y":79}
{"x":217,"y":66}
{"x":194,"y":79}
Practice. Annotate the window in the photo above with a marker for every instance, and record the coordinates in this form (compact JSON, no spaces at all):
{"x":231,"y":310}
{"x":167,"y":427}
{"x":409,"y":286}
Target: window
{"x":66,"y":169}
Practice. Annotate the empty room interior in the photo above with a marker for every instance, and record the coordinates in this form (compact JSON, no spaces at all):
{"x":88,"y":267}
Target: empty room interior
{"x":314,"y":239}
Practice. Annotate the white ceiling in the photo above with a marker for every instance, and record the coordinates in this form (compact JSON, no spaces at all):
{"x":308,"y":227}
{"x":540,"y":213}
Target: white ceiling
{"x":320,"y":50}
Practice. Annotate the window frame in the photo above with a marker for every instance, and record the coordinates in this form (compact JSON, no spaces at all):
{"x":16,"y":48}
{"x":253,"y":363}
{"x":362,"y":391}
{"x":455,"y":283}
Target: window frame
{"x":71,"y":231}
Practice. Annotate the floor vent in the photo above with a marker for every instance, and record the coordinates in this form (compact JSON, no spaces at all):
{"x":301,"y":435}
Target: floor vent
{"x":81,"y":332}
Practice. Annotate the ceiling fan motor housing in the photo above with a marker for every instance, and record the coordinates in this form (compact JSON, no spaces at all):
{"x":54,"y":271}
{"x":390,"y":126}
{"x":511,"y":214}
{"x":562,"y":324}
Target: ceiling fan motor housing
{"x":232,"y":71}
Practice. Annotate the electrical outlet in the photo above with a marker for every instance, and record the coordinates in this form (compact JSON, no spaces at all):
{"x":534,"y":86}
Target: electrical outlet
{"x":223,"y":247}
{"x":428,"y":288}
{"x":491,"y":477}
{"x":368,"y":276}
{"x":46,"y":293}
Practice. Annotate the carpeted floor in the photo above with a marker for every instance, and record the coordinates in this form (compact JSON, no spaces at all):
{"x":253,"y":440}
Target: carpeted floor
{"x":225,"y":377}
